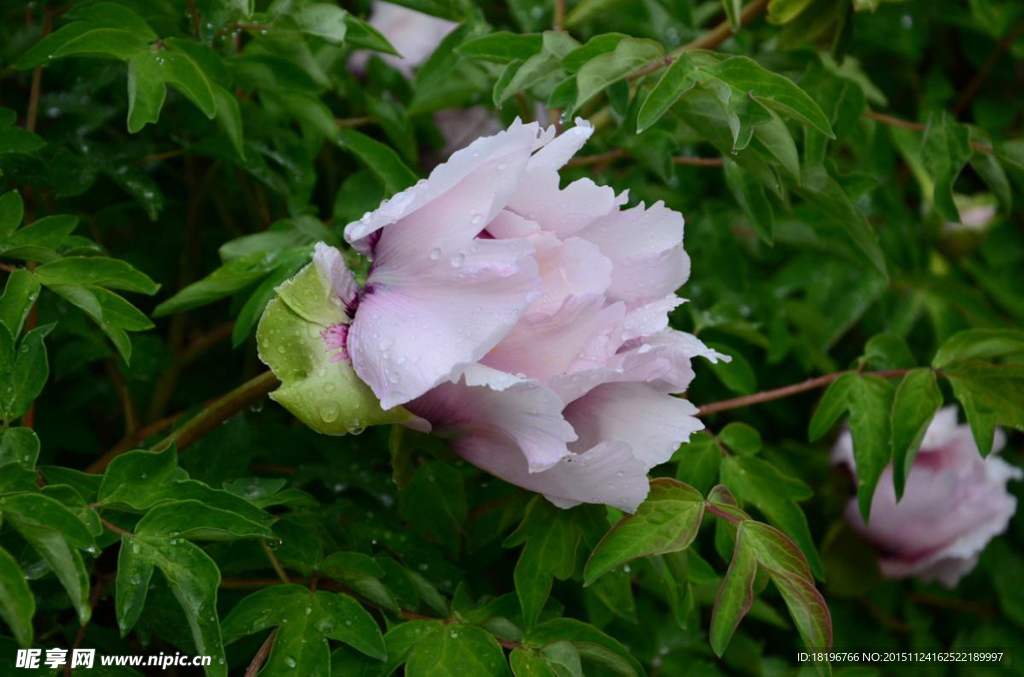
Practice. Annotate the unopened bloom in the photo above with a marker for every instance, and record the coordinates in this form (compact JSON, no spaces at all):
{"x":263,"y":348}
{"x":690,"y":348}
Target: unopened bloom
{"x":525,"y":322}
{"x":953,"y":504}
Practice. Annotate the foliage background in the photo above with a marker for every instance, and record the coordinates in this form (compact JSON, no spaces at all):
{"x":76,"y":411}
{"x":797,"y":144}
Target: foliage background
{"x":163,"y":202}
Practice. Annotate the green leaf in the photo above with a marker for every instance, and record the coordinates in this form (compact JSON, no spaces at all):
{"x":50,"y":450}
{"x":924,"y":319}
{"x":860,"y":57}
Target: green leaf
{"x":989,"y":168}
{"x":232,"y":277}
{"x":741,"y":438}
{"x":870,"y":403}
{"x":990,"y":396}
{"x":323,"y":20}
{"x":735,"y":596}
{"x":183,"y":73}
{"x":446,"y":55}
{"x":946,"y":147}
{"x":20,"y":292}
{"x":138,"y":480}
{"x":305,"y":622}
{"x":775,"y":91}
{"x":379,"y":158}
{"x":435,"y":502}
{"x":114,"y":15}
{"x":457,"y":650}
{"x":775,"y":494}
{"x":17,"y":605}
{"x":19,"y":445}
{"x":359,"y":33}
{"x":516,"y":78}
{"x":193,"y":519}
{"x":914,"y":405}
{"x":833,"y":404}
{"x":750,"y":194}
{"x":983,"y":344}
{"x":54,"y":532}
{"x":737,"y":375}
{"x":888,"y":351}
{"x":134,"y":572}
{"x":784,"y":11}
{"x":12,"y":210}
{"x":19,"y":140}
{"x":39,"y":240}
{"x":823,"y":193}
{"x":698,"y":462}
{"x":607,"y":69}
{"x":502,"y":47}
{"x":677,"y":79}
{"x":96,"y":270}
{"x":362,"y":574}
{"x":788,"y":571}
{"x":401,"y":639}
{"x":591,"y":643}
{"x":733,"y":9}
{"x":113,"y":314}
{"x":109,"y":42}
{"x":146,"y":90}
{"x":23,"y":371}
{"x":551,"y":538}
{"x":667,"y":521}
{"x":193,"y":579}
{"x":594,"y":47}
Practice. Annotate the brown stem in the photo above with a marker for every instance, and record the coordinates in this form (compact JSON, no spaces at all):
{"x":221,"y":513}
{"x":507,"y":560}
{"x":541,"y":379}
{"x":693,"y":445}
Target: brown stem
{"x":698,"y":161}
{"x":261,"y":656}
{"x":221,"y":410}
{"x":354,"y":122}
{"x":126,"y":444}
{"x":113,"y":527}
{"x":275,"y":563}
{"x":914,"y":127}
{"x":559,"y":17}
{"x":131,"y":419}
{"x":193,"y":13}
{"x":94,"y":597}
{"x":166,"y":155}
{"x":718,"y":512}
{"x":986,"y":68}
{"x":205,"y":342}
{"x":786,"y":391}
{"x":37,"y":78}
{"x":709,"y":40}
{"x":618,"y":153}
{"x":984,"y":611}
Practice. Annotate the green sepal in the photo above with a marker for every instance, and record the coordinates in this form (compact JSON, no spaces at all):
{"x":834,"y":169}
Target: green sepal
{"x":318,"y":386}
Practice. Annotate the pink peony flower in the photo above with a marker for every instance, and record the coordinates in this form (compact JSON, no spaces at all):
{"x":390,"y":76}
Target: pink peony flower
{"x":953,"y":504}
{"x":414,"y":35}
{"x":527,"y":323}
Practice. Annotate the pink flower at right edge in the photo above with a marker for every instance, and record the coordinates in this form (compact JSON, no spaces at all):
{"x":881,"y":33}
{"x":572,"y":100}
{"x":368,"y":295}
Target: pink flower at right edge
{"x":527,"y":323}
{"x":953,"y":504}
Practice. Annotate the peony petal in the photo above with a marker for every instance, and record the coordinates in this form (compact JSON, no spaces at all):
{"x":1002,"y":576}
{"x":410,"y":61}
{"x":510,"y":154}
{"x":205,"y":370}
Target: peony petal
{"x":418,"y":327}
{"x":650,"y":318}
{"x":542,"y":346}
{"x":413,"y":34}
{"x":491,"y":404}
{"x":607,"y":474}
{"x":476,"y":181}
{"x":331,"y":264}
{"x":646,"y":246}
{"x":554,"y":155}
{"x":563,"y":212}
{"x":571,"y":267}
{"x":652,"y":423}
